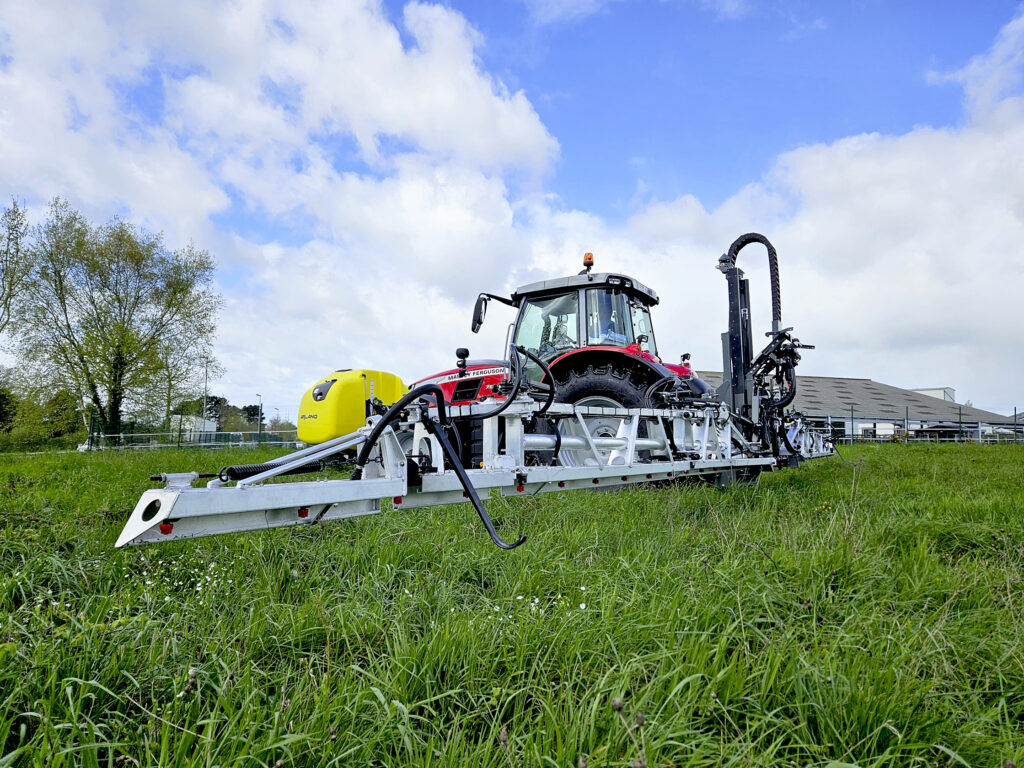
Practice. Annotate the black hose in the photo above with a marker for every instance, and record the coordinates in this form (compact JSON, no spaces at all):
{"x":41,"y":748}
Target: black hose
{"x":655,"y":386}
{"x":393,"y":413}
{"x":458,"y":438}
{"x":558,"y":441}
{"x":467,"y":485}
{"x":673,"y":450}
{"x":789,"y":368}
{"x":513,"y":361}
{"x":547,"y":374}
{"x":729,"y":259}
{"x":242,"y":471}
{"x":769,"y":435}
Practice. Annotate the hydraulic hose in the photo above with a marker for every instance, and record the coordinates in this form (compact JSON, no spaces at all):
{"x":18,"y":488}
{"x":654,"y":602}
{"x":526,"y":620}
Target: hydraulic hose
{"x":558,"y":441}
{"x":729,"y":260}
{"x":649,"y":394}
{"x":789,"y":367}
{"x":393,"y":413}
{"x":769,"y":435}
{"x":547,"y":374}
{"x":437,"y":431}
{"x":513,"y":361}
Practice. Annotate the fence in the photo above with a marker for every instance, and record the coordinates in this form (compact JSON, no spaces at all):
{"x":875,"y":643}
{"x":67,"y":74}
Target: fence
{"x":184,"y":438}
{"x":865,"y":427}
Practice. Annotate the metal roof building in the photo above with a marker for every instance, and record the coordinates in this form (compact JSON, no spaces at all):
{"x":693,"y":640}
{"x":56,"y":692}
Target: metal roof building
{"x":866,"y":407}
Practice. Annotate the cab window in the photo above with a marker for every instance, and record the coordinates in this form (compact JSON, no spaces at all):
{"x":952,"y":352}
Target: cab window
{"x":549,"y":326}
{"x":608,"y":318}
{"x":642,"y":327}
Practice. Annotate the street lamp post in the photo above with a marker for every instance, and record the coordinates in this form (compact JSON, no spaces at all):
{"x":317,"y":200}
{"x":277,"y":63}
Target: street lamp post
{"x":259,"y":420}
{"x":206,"y":394}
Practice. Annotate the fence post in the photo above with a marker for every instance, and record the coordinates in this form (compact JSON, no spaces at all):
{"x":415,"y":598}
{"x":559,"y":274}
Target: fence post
{"x":179,"y":431}
{"x":853,"y":428}
{"x":960,"y":423}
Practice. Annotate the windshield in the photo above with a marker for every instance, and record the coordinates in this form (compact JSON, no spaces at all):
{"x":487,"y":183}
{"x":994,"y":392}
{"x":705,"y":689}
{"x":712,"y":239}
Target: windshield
{"x":608,"y":318}
{"x":643,"y":327}
{"x":549,"y":326}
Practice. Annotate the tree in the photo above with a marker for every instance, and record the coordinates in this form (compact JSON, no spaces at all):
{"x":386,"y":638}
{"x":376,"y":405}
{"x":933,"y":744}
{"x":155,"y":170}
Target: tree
{"x":253,"y":414}
{"x":184,"y":364}
{"x":100,"y":304}
{"x":215,"y":409}
{"x":13,"y":258}
{"x":8,"y":407}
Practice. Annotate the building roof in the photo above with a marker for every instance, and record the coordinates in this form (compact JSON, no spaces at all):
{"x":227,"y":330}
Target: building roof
{"x":834,"y":396}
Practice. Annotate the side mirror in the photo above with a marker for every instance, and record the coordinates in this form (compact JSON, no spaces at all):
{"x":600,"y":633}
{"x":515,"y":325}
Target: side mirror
{"x":643,"y":338}
{"x":479,"y":312}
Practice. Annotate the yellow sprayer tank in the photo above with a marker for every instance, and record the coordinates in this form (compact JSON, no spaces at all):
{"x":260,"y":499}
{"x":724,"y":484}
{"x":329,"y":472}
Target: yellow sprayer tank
{"x":339,"y":404}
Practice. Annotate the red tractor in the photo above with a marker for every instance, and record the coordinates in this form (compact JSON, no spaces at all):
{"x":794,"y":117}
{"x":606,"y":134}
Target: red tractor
{"x":592,"y":332}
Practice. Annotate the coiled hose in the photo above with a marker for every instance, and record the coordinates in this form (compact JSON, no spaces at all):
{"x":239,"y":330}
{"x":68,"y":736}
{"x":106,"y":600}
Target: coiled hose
{"x":242,"y":471}
{"x":729,"y":260}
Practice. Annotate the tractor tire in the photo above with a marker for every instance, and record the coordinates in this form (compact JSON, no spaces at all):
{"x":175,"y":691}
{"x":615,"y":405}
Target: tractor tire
{"x":621,"y":387}
{"x":604,"y":385}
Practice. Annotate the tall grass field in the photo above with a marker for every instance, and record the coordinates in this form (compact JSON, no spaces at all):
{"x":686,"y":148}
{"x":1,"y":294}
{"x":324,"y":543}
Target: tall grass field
{"x":866,"y":609}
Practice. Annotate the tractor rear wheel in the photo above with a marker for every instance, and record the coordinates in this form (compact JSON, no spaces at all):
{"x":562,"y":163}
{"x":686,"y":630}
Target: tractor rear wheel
{"x":605,"y":386}
{"x":618,"y":386}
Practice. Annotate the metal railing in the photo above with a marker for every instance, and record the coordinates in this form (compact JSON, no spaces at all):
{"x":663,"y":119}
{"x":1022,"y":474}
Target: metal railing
{"x":872,"y":428}
{"x":189,"y":439}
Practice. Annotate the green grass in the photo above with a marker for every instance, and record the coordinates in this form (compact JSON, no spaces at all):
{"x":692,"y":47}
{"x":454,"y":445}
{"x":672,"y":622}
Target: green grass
{"x":863,"y":610}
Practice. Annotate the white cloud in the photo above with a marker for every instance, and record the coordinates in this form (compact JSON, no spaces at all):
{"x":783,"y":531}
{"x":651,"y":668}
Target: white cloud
{"x":412,"y":179}
{"x":555,"y":11}
{"x":988,"y":78}
{"x":899,"y":254}
{"x":727,"y":9}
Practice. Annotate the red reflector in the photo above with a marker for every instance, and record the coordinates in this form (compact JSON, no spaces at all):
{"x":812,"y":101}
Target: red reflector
{"x":624,"y":478}
{"x":303,"y":511}
{"x":670,"y":474}
{"x":520,"y":488}
{"x":596,"y":481}
{"x":649,"y":477}
{"x":166,"y":528}
{"x":465,"y":494}
{"x":561,"y":483}
{"x":397,"y":500}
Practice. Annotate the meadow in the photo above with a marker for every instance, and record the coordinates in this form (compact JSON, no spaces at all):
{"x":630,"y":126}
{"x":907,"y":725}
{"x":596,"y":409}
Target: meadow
{"x":861,"y":610}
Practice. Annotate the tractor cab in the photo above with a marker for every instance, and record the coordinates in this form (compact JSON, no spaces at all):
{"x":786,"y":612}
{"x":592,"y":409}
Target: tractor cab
{"x":590,"y":310}
{"x":593,"y":333}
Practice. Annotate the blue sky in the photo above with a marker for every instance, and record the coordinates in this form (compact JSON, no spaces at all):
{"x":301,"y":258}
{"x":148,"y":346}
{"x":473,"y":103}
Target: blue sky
{"x":690,"y":101}
{"x":360,"y":169}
